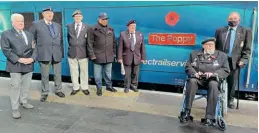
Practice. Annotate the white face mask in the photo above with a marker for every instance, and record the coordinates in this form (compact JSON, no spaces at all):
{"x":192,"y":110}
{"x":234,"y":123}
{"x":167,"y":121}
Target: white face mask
{"x":210,"y":51}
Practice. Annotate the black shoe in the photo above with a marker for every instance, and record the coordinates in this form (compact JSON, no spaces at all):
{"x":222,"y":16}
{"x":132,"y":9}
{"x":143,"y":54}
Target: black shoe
{"x":86,"y":92}
{"x":43,"y":98}
{"x":74,"y":92}
{"x":99,"y":92}
{"x":126,"y":90}
{"x":185,"y":116}
{"x":231,"y":103}
{"x":60,"y":94}
{"x":111,"y":89}
{"x":134,"y":89}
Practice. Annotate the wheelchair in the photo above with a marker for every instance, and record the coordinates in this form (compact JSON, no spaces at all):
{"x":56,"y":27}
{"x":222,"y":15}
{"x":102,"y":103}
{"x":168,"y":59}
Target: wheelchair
{"x":221,"y":108}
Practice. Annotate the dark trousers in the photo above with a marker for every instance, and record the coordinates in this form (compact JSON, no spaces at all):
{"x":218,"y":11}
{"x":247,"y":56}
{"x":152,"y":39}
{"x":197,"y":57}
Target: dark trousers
{"x":232,"y":80}
{"x":45,"y":71}
{"x":131,"y":76}
{"x":212,"y":97}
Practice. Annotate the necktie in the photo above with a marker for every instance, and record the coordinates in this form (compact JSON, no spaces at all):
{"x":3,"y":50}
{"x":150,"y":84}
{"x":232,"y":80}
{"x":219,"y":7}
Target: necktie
{"x":227,"y":42}
{"x":51,"y":29}
{"x":21,"y":35}
{"x":132,"y":45}
{"x":77,"y":30}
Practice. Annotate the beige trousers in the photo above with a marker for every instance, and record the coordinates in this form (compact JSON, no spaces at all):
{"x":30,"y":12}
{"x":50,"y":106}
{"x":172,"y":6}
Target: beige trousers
{"x":74,"y":72}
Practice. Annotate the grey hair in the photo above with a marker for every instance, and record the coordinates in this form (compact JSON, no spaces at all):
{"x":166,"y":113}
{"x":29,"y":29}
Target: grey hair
{"x":15,"y":15}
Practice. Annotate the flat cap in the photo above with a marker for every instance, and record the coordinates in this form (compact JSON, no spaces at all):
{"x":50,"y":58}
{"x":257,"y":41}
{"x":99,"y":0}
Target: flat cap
{"x":208,"y":40}
{"x":131,"y":22}
{"x":103,"y":15}
{"x":76,"y":12}
{"x":47,"y":9}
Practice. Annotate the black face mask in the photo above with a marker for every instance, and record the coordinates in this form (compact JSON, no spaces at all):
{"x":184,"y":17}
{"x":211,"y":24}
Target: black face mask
{"x":232,"y":23}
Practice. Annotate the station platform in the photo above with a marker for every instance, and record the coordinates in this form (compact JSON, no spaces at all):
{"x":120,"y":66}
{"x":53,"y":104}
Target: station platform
{"x":142,"y":112}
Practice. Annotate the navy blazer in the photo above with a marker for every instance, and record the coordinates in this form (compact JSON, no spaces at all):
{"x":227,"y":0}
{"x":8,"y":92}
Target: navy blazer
{"x":14,"y":47}
{"x":48,"y":47}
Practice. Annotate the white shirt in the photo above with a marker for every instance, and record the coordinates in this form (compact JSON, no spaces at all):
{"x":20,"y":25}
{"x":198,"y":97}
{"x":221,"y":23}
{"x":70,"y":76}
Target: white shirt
{"x":80,"y":27}
{"x":47,"y":22}
{"x":24,"y":36}
{"x":134,"y":38}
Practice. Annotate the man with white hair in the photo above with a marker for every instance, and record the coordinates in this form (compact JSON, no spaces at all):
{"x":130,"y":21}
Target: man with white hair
{"x":235,"y":41}
{"x":18,"y":47}
{"x":204,"y":69}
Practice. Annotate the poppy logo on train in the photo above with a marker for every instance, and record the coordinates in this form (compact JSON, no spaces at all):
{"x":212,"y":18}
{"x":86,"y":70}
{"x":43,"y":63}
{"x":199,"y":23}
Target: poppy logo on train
{"x":172,"y":18}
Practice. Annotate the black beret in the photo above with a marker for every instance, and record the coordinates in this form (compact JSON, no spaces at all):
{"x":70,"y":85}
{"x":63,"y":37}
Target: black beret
{"x":131,"y":22}
{"x":76,"y":12}
{"x":47,"y":9}
{"x":208,"y":40}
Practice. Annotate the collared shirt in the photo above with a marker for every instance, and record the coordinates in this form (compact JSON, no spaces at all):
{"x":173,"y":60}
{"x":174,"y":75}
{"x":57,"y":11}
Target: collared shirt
{"x":24,"y":35}
{"x":80,"y":27}
{"x":232,"y":39}
{"x":134,"y":37}
{"x":47,"y":22}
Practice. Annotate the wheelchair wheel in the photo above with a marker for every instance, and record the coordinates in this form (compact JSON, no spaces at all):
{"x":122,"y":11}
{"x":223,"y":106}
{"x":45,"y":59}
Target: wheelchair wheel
{"x":221,"y":123}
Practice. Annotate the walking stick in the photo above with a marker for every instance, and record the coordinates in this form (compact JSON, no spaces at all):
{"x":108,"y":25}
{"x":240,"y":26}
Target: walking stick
{"x":238,"y":89}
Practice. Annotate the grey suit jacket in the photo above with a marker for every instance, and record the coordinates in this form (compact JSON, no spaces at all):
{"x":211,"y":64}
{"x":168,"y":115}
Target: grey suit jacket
{"x":124,"y":51}
{"x":242,"y":44}
{"x":14,"y":48}
{"x":77,"y":46}
{"x":47,"y":46}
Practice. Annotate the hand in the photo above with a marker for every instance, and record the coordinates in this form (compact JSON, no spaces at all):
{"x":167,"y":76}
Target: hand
{"x":200,"y":73}
{"x":93,"y":58}
{"x":120,"y":61}
{"x":197,"y":75}
{"x":28,"y":61}
{"x":208,"y":74}
{"x":241,"y":64}
{"x":22,"y":60}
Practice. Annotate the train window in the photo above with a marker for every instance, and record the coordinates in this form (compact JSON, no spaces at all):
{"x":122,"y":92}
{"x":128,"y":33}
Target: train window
{"x":28,"y":19}
{"x":57,"y":17}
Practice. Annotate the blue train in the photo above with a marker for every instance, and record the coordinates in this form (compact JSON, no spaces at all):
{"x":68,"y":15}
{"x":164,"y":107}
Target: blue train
{"x":171,"y":31}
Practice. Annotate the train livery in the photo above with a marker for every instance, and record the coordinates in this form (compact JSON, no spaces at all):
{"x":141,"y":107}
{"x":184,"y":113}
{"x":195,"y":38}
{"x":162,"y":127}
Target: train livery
{"x":171,"y":31}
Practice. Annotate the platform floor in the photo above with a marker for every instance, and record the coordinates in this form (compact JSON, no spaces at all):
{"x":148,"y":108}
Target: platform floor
{"x":143,"y":112}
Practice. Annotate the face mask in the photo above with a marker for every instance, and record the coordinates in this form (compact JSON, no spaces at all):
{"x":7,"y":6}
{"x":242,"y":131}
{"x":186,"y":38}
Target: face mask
{"x":210,"y":52}
{"x":232,"y":23}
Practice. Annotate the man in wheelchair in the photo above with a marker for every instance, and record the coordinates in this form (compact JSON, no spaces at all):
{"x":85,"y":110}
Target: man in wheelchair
{"x":205,"y":68}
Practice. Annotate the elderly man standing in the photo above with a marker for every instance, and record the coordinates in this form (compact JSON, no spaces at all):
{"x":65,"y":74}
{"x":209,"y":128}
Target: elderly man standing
{"x":18,"y":47}
{"x":48,"y":38}
{"x":204,"y":69}
{"x":131,"y":53}
{"x":102,"y":50}
{"x":77,"y":53}
{"x":235,"y":41}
